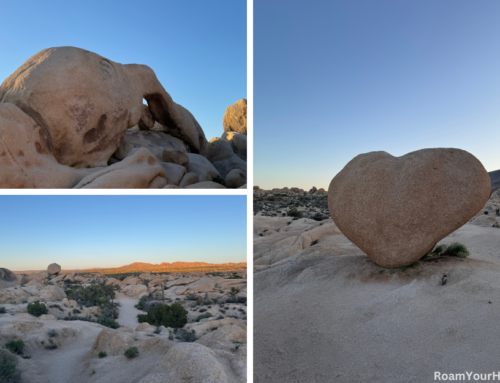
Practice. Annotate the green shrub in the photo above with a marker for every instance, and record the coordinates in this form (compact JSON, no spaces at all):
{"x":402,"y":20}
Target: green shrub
{"x":132,"y":352}
{"x":8,"y":368}
{"x":294,"y":213}
{"x":16,"y":347}
{"x":102,"y":354}
{"x":142,"y":303}
{"x":91,"y":295}
{"x":36,"y":308}
{"x":168,"y":316}
{"x":52,"y":333}
{"x":108,"y":322}
{"x":203,"y":316}
{"x":2,"y":310}
{"x":453,"y":250}
{"x":186,"y":336}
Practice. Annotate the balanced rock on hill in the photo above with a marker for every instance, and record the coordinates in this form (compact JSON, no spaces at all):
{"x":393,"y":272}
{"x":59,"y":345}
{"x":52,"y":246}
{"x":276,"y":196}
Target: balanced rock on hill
{"x":396,"y":209}
{"x":54,"y":269}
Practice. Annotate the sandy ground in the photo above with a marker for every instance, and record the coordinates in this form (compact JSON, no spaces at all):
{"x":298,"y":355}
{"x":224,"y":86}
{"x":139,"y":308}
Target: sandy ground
{"x":128,"y":312}
{"x":329,"y":314}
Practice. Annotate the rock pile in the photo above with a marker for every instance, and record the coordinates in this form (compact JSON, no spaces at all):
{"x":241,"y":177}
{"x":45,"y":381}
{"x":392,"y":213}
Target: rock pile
{"x":70,"y":118}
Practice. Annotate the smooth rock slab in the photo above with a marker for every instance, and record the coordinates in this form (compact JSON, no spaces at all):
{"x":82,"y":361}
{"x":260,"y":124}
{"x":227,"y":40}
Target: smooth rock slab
{"x":396,"y":209}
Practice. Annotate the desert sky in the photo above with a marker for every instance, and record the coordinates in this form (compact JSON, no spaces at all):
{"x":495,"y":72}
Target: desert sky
{"x":80,"y":232}
{"x":336,"y":79}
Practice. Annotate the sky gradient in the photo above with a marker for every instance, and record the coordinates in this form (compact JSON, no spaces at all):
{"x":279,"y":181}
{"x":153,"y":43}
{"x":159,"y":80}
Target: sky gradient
{"x":334,"y":79}
{"x":80,"y":232}
{"x":197,"y":48}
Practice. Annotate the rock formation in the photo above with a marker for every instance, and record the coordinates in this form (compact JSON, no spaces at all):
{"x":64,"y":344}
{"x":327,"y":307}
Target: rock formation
{"x":72,"y":118}
{"x":396,"y":209}
{"x":235,"y":119}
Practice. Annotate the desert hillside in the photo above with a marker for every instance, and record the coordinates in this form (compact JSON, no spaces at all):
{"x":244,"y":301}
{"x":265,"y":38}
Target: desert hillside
{"x":164,"y":267}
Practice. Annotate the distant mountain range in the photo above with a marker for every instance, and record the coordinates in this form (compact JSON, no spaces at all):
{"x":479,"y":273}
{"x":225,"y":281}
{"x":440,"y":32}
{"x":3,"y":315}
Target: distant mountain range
{"x":495,"y":180}
{"x":178,"y":267}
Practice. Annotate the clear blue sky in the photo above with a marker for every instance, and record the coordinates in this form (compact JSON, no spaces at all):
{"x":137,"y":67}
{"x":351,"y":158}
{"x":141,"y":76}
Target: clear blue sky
{"x":334,"y":79}
{"x":197,"y":48}
{"x":109,"y":231}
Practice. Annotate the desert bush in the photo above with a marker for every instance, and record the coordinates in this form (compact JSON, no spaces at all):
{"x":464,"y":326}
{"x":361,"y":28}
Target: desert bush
{"x":453,"y":250}
{"x":102,"y":354}
{"x":141,"y":305}
{"x":157,"y":330}
{"x":169,"y":316}
{"x":76,"y":311}
{"x":203,"y":316}
{"x":55,"y":306}
{"x":52,"y":333}
{"x":220,"y":317}
{"x":191,"y":297}
{"x":91,"y":294}
{"x":186,"y":336}
{"x":2,"y":310}
{"x":108,"y":322}
{"x":16,"y":347}
{"x":8,"y":368}
{"x":132,"y":352}
{"x":235,"y":276}
{"x":36,"y":308}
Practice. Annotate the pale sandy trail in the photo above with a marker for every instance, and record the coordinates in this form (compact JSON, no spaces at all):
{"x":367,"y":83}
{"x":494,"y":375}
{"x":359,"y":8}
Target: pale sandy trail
{"x":67,"y":363}
{"x":128,"y":312}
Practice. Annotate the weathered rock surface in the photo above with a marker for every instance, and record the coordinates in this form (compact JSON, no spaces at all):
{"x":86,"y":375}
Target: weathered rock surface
{"x":202,"y":168}
{"x":189,"y":179}
{"x":175,"y":156}
{"x":84,"y":103}
{"x":235,"y":119}
{"x":139,"y":170}
{"x":238,"y":142}
{"x":221,"y":155}
{"x":236,"y":178}
{"x":155,"y":142}
{"x":7,"y":278}
{"x":396,"y":209}
{"x":174,"y":172}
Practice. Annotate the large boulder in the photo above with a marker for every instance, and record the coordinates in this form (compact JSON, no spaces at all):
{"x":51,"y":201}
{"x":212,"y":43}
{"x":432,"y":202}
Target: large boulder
{"x":52,"y":293}
{"x":84,"y":103}
{"x":238,"y":142}
{"x":139,"y":170}
{"x":54,"y":269}
{"x":235,"y":118}
{"x":189,"y":179}
{"x":202,"y":168}
{"x":236,"y":178}
{"x":190,"y":362}
{"x":396,"y":209}
{"x":26,"y":160}
{"x":206,"y":185}
{"x":221,"y":155}
{"x":155,"y":142}
{"x":174,"y":172}
{"x":7,"y":278}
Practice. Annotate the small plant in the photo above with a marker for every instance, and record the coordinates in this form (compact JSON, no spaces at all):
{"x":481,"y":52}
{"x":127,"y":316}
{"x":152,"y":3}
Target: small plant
{"x":36,"y":308}
{"x":51,"y":345}
{"x":132,"y":352}
{"x":485,"y":212}
{"x":497,"y":211}
{"x":203,"y":316}
{"x":170,"y":335}
{"x":76,"y":311}
{"x":294,"y":213}
{"x":102,"y":354}
{"x":453,"y":250}
{"x":157,"y":330}
{"x":186,"y":336}
{"x":8,"y":368}
{"x":52,"y":333}
{"x":220,"y":317}
{"x":2,"y":310}
{"x":16,"y":347}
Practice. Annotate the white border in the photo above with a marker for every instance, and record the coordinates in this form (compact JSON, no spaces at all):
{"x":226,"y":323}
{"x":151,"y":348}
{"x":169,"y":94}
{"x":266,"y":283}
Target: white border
{"x":250,"y":152}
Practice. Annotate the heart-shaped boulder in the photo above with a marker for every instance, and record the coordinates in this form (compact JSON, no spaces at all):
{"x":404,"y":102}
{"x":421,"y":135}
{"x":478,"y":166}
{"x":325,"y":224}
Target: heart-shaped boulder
{"x":396,"y":209}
